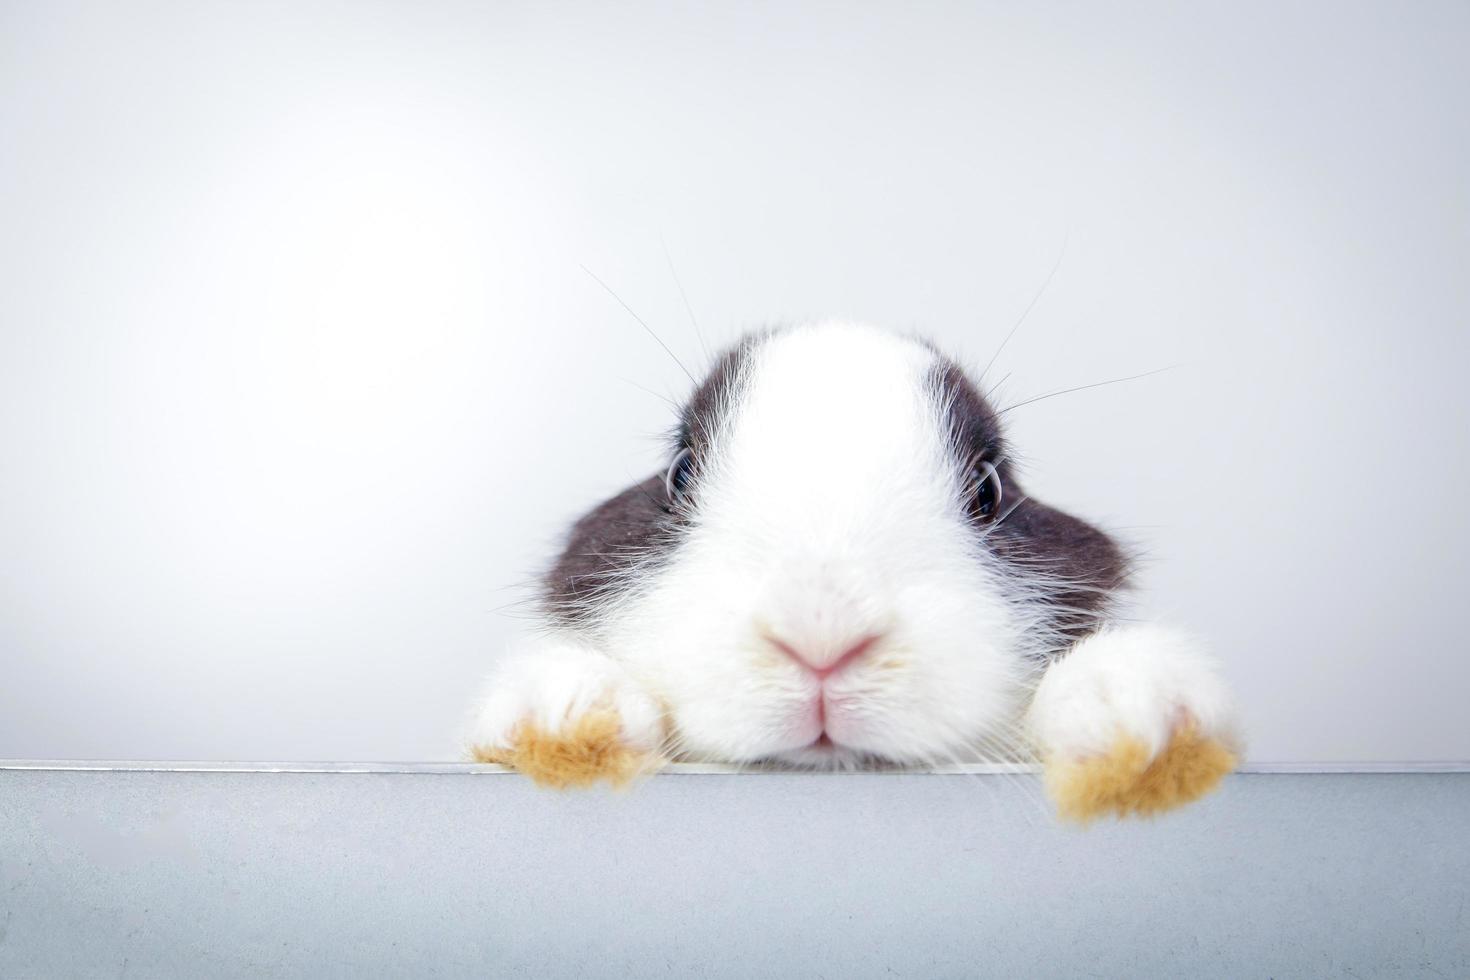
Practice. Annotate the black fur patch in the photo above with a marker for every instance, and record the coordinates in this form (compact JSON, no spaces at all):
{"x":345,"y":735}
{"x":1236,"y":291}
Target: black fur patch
{"x":630,"y":530}
{"x":637,"y":528}
{"x":706,"y":408}
{"x":1085,"y":566}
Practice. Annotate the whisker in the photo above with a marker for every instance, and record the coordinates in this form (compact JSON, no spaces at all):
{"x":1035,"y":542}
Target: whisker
{"x":649,"y":391}
{"x":641,"y":323}
{"x":684,"y":296}
{"x":1095,"y":384}
{"x":1029,"y":307}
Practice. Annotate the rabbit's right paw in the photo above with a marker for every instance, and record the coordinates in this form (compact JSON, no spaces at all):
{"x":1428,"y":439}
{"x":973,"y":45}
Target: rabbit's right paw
{"x":568,"y":717}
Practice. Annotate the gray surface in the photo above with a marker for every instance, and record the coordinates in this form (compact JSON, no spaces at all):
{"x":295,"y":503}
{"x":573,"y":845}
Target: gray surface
{"x":431,"y":874}
{"x":300,"y":374}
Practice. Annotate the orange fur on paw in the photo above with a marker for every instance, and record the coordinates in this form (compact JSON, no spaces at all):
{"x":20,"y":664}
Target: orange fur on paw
{"x":589,"y":750}
{"x":1125,"y":783}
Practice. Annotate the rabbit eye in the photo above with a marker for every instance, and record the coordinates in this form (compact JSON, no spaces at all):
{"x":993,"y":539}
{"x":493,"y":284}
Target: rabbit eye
{"x":680,"y":476}
{"x":985,"y":490}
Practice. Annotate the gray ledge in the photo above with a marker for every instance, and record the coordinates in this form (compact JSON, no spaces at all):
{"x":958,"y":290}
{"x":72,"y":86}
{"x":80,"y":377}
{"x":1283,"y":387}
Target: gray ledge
{"x":349,"y":870}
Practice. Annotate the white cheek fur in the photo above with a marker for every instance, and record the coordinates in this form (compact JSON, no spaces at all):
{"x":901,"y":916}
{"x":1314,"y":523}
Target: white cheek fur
{"x":948,"y":672}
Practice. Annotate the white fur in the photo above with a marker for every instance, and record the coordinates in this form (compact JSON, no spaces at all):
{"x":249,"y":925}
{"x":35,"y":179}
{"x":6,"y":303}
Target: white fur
{"x":828,"y":512}
{"x":552,"y":684}
{"x":829,"y":509}
{"x":1141,"y":681}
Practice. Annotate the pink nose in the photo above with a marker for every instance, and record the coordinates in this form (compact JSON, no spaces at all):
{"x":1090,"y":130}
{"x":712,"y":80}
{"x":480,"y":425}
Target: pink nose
{"x":824,"y":667}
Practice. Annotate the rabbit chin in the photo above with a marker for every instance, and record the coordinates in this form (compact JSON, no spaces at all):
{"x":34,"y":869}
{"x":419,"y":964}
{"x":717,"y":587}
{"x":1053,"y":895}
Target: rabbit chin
{"x":825,"y":754}
{"x":828,"y":755}
{"x":852,"y":745}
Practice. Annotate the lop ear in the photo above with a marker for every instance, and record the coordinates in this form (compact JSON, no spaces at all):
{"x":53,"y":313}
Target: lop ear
{"x":1077,"y":568}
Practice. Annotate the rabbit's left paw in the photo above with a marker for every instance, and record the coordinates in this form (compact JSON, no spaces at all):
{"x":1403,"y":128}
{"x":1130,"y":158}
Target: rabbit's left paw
{"x":1133,"y":721}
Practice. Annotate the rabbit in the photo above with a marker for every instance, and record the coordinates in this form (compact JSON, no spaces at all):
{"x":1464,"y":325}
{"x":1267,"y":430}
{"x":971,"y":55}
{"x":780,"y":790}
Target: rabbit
{"x":838,"y":568}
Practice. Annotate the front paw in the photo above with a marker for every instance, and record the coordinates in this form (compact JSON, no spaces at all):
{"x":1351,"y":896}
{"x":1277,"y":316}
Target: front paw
{"x":1133,"y":721}
{"x":568,"y":717}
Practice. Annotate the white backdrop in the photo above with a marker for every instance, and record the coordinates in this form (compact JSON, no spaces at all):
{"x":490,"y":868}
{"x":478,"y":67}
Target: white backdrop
{"x":300,"y":374}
